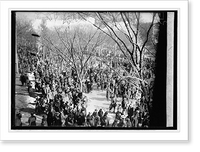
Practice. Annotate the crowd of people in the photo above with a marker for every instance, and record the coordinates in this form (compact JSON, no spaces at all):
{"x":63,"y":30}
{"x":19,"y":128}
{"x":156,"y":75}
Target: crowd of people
{"x":61,"y":102}
{"x":126,"y":102}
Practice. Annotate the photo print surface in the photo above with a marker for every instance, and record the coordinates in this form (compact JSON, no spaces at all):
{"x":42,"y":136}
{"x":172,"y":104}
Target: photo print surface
{"x":112,"y":70}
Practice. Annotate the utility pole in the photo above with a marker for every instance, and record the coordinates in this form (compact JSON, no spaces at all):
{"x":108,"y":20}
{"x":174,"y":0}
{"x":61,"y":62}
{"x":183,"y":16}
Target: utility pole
{"x":16,"y":54}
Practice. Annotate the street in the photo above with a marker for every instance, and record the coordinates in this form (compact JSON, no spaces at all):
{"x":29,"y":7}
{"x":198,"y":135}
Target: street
{"x":97,"y":100}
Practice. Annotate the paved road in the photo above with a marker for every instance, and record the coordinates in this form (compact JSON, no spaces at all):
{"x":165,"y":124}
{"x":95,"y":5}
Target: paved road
{"x":97,"y":100}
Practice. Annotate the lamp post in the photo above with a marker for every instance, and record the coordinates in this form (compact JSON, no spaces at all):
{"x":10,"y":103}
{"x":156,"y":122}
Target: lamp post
{"x":16,"y":54}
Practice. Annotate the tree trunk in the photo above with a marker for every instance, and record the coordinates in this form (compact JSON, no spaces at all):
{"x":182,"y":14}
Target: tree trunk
{"x":81,"y":85}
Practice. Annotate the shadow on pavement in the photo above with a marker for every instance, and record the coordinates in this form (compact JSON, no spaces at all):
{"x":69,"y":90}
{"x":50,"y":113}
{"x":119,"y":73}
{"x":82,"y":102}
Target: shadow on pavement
{"x":107,"y":104}
{"x":19,"y":85}
{"x":23,"y":94}
{"x":32,"y":103}
{"x":102,"y":94}
{"x":34,"y":94}
{"x":29,"y":110}
{"x":97,"y":98}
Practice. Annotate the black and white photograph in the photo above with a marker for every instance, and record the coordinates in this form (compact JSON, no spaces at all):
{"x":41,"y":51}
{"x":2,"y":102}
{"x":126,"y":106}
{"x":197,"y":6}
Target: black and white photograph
{"x":94,"y":71}
{"x":98,"y":70}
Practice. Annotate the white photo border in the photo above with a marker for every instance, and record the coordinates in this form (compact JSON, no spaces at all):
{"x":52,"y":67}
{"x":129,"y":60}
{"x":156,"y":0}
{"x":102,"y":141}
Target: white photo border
{"x":138,"y":135}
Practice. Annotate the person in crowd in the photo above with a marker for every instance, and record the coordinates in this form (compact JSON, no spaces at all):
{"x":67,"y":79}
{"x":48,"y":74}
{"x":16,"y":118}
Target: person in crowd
{"x":50,"y":117}
{"x":113,"y":104}
{"x":130,"y":111}
{"x":97,"y":122}
{"x":105,"y":120}
{"x":89,"y":120}
{"x":116,"y":123}
{"x":95,"y":113}
{"x":118,"y":115}
{"x":81,"y":119}
{"x":100,"y":113}
{"x":98,"y":82}
{"x":48,"y":91}
{"x":18,"y":121}
{"x":57,"y":119}
{"x":107,"y":92}
{"x":124,"y":104}
{"x":102,"y":82}
{"x":69,"y":122}
{"x":128,"y":123}
{"x":135,"y":118}
{"x":122,"y":123}
{"x":44,"y":121}
{"x":23,"y":79}
{"x":32,"y":120}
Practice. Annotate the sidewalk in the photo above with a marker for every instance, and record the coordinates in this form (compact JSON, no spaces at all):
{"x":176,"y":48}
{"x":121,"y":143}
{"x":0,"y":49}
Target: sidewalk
{"x":24,"y":103}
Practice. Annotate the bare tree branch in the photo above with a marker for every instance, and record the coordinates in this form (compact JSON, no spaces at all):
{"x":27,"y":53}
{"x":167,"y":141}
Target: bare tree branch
{"x":127,"y":28}
{"x":65,"y":56}
{"x":115,"y":24}
{"x":125,"y":77}
{"x":114,"y":33}
{"x":107,"y":35}
{"x":130,"y":53}
{"x":150,"y":52}
{"x":127,"y":18}
{"x":138,"y":22}
{"x":67,"y":47}
{"x":147,"y":35}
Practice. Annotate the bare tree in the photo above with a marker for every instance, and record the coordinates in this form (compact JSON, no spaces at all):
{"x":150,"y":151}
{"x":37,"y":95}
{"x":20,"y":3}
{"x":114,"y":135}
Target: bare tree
{"x":76,"y":46}
{"x":131,"y":35}
{"x":25,"y":43}
{"x":81,"y":47}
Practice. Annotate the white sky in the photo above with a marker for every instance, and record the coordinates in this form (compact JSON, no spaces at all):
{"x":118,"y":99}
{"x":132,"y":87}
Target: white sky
{"x":36,"y":18}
